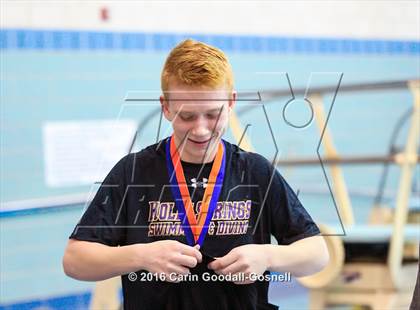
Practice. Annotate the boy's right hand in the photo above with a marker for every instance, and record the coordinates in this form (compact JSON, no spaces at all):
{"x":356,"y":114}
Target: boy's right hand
{"x":170,"y":257}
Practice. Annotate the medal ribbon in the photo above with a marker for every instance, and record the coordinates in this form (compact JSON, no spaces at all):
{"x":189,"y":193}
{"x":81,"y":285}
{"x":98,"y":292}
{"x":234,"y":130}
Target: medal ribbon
{"x":195,"y":228}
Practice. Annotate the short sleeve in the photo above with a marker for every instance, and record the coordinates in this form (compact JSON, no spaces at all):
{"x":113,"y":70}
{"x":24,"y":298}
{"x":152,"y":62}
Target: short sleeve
{"x":289,"y":221}
{"x":104,"y":219}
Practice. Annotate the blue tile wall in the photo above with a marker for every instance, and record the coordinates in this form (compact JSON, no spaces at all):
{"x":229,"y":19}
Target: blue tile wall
{"x":96,"y":40}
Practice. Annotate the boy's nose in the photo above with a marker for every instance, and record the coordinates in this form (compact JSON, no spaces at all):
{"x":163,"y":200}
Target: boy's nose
{"x":200,"y":129}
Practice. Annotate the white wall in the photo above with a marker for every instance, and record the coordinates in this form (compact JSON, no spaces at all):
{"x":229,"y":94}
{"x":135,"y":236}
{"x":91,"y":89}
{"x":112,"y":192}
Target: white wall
{"x":344,"y":19}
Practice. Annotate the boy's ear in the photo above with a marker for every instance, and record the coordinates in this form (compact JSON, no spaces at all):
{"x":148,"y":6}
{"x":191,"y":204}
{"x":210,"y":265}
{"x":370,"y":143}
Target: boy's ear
{"x":165,"y":108}
{"x":232,"y":101}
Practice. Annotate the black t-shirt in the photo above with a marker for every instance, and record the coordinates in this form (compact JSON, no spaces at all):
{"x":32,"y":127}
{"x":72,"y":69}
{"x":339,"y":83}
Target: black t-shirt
{"x":135,"y":205}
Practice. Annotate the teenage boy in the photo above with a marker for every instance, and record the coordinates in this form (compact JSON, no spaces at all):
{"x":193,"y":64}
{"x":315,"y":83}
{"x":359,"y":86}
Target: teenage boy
{"x":194,"y":205}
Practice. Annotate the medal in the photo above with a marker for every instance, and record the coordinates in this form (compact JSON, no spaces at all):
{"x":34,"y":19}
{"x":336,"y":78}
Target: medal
{"x":195,"y":228}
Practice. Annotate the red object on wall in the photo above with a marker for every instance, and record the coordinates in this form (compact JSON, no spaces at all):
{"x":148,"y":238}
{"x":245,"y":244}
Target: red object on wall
{"x":104,"y":14}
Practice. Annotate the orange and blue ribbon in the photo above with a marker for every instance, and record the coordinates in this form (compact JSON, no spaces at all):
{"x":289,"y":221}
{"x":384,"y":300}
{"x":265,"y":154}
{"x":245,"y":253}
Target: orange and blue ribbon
{"x":195,"y":228}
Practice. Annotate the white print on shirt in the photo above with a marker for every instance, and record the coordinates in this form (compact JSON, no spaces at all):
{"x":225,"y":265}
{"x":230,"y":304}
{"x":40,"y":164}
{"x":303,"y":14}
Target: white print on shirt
{"x":195,"y":183}
{"x":229,"y":218}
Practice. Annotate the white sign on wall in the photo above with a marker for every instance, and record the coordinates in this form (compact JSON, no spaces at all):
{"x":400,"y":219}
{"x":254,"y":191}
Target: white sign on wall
{"x":83,"y":152}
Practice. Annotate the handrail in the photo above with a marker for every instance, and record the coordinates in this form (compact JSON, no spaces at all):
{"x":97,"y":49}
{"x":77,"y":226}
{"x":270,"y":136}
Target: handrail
{"x":267,"y":96}
{"x":342,"y":160}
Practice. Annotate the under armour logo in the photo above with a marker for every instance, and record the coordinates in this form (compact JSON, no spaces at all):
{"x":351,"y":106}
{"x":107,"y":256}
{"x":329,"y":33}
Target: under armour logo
{"x":195,"y":183}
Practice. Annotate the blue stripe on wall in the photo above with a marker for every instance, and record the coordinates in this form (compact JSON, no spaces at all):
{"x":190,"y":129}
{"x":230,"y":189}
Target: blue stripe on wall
{"x":75,"y":302}
{"x":95,"y":40}
{"x":37,"y":210}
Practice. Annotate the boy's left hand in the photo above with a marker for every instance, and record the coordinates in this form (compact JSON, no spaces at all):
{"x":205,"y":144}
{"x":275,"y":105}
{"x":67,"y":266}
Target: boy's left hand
{"x":247,"y":259}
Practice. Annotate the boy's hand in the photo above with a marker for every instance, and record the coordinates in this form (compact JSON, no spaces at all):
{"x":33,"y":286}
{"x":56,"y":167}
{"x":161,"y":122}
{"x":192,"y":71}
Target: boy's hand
{"x":247,"y":259}
{"x":169,"y":257}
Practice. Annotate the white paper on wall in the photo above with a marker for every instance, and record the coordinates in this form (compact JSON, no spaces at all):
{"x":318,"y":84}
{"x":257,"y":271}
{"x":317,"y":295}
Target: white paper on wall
{"x":83,"y":152}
